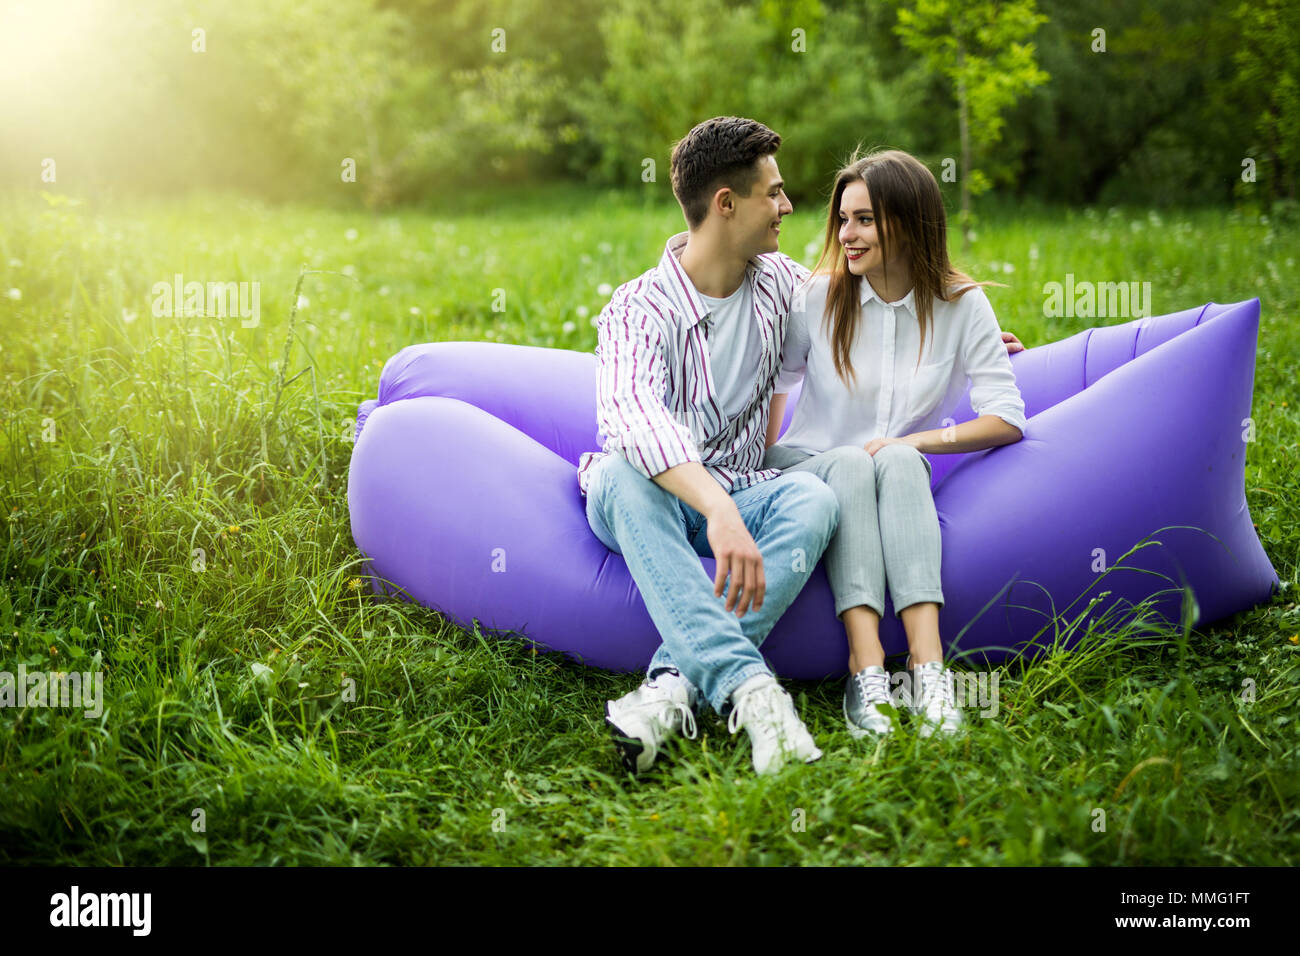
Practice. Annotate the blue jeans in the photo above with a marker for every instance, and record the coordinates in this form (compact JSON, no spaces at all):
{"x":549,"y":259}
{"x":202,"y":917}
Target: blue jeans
{"x":662,"y":538}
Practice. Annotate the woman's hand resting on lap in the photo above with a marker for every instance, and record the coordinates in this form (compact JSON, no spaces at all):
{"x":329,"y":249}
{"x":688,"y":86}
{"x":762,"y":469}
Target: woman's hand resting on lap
{"x":876,"y":444}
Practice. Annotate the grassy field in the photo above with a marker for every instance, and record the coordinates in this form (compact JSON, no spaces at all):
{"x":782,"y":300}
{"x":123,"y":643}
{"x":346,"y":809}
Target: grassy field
{"x":175,"y":516}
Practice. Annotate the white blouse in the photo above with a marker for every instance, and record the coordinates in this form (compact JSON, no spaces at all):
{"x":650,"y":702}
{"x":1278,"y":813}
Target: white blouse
{"x":893,"y":397}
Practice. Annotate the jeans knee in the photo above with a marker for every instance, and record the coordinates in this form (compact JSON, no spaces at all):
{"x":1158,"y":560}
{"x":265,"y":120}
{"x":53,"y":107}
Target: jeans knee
{"x":818,"y":505}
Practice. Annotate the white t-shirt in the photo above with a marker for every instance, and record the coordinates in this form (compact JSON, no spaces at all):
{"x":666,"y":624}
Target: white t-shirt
{"x":735,"y":348}
{"x":892,"y":397}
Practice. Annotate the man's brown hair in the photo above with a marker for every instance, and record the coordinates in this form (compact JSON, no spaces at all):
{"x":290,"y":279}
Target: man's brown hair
{"x":718,"y":152}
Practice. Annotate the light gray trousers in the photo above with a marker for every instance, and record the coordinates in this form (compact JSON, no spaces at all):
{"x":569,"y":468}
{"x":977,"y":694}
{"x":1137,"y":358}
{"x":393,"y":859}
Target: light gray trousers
{"x":888,"y":529}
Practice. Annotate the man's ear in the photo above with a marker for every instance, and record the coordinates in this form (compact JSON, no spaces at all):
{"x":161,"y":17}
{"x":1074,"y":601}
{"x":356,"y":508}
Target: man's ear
{"x":724,"y":201}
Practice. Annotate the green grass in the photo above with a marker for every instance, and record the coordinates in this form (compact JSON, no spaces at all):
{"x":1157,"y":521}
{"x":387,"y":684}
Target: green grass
{"x":222,"y":685}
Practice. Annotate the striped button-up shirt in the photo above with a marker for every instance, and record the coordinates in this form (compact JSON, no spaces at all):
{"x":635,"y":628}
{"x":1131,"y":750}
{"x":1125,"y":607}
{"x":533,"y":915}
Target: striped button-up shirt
{"x":656,"y":403}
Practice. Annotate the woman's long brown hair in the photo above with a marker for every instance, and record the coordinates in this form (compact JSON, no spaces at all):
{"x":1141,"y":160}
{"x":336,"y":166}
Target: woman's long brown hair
{"x":908,"y":209}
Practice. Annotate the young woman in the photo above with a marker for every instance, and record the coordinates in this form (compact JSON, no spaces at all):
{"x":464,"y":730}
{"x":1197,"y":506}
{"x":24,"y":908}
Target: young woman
{"x":888,"y":335}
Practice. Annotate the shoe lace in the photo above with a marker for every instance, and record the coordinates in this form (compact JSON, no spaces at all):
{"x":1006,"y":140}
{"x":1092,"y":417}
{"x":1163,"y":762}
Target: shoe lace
{"x":757,"y":711}
{"x":661,"y":710}
{"x":873,"y":691}
{"x":688,"y":718}
{"x":936,"y":686}
{"x":659,"y":704}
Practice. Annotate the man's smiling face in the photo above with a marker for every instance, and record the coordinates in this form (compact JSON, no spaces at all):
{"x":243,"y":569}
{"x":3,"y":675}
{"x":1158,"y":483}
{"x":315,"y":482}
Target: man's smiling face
{"x":757,"y":221}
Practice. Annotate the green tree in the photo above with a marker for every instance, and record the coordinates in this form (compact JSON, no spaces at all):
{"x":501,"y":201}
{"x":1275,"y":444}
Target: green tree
{"x":668,"y":70}
{"x":1144,"y":105}
{"x":982,"y":48}
{"x":808,"y":71}
{"x":1269,"y":72}
{"x":344,"y":85}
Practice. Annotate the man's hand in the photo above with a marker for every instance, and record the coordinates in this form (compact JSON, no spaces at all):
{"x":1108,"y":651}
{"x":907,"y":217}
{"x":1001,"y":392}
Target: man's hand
{"x":738,"y":556}
{"x":1014,"y":345}
{"x":733,"y":548}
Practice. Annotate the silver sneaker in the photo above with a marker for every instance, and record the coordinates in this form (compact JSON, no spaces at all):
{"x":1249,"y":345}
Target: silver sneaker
{"x":644,"y":720}
{"x":862,"y":692}
{"x":928,"y":693}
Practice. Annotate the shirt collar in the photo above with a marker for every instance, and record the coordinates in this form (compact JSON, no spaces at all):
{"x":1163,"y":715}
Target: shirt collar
{"x":682,"y":289}
{"x":908,"y":301}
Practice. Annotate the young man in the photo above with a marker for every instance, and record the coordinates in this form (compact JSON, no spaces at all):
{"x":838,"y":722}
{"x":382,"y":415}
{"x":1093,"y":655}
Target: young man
{"x":687,"y":359}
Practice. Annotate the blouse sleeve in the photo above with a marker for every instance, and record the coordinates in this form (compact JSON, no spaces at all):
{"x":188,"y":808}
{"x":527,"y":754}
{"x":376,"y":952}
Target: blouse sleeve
{"x":794,"y":348}
{"x":984,"y":358}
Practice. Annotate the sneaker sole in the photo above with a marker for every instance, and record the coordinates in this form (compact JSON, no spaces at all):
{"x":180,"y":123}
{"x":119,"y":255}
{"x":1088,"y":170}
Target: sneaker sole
{"x":789,"y":758}
{"x":629,"y":749}
{"x":930,"y":729}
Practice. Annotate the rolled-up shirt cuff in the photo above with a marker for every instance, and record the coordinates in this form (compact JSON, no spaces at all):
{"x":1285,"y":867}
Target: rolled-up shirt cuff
{"x":786,"y":381}
{"x":1010,"y":416}
{"x":654,"y":450}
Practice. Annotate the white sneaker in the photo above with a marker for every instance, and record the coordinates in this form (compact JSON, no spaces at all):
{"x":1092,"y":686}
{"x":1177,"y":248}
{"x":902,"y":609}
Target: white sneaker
{"x":928,"y":694}
{"x":643,"y":721}
{"x":775,"y":731}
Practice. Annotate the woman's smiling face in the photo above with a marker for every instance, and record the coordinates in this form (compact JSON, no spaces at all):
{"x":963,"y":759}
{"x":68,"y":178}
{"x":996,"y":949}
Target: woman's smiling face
{"x":858,"y":233}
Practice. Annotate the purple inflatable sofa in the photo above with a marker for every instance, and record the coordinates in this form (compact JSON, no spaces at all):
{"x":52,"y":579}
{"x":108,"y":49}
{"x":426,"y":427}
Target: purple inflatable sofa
{"x":463,"y":496}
